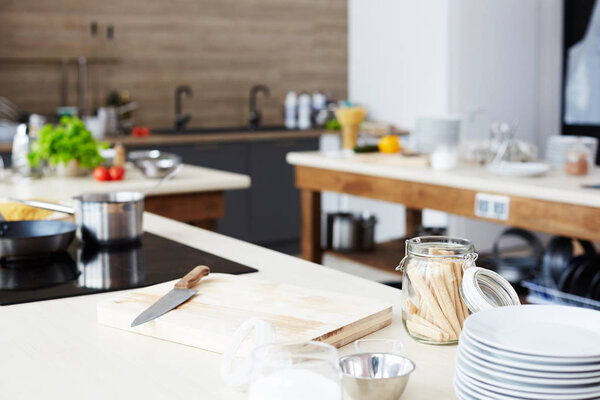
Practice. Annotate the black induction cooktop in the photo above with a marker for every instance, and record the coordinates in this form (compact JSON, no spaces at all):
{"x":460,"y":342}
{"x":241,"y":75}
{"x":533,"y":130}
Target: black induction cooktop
{"x":85,"y":269}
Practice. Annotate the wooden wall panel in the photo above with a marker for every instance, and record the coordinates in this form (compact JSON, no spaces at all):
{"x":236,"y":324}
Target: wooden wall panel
{"x":218,"y":47}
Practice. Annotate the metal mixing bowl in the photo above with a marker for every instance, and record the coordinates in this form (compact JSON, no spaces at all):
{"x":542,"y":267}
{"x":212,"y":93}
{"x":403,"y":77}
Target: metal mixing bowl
{"x":375,"y":376}
{"x":154,"y":163}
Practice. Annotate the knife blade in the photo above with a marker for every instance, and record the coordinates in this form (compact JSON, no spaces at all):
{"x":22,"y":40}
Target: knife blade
{"x":181,"y":293}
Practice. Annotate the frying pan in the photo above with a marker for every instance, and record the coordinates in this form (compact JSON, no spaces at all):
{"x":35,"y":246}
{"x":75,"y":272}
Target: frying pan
{"x":21,"y":239}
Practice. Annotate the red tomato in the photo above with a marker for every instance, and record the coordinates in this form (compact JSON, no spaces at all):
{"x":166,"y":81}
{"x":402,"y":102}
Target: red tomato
{"x":101,"y":174}
{"x":116,"y":173}
{"x":140,"y":131}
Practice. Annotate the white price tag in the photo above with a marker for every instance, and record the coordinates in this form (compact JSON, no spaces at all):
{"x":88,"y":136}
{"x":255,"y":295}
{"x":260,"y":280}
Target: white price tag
{"x":492,"y":206}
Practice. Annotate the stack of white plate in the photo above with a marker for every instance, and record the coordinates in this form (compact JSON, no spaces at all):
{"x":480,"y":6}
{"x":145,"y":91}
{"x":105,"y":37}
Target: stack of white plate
{"x":529,"y":352}
{"x":433,"y":132}
{"x":557,"y":146}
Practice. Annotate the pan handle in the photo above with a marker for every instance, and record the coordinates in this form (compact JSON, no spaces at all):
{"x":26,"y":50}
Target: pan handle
{"x":46,"y":206}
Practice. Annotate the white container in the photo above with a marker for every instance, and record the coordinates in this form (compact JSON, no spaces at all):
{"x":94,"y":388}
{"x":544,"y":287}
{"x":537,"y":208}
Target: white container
{"x":432,"y":132}
{"x":291,"y":104}
{"x":304,"y":111}
{"x":444,"y":158}
{"x":558,"y":145}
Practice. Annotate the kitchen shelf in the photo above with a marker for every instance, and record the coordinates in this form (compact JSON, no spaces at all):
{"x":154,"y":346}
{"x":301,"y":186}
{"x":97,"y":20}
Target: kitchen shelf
{"x":385,"y":257}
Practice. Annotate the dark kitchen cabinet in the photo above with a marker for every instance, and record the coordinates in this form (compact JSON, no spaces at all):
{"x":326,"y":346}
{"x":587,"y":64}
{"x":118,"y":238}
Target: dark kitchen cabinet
{"x":274,"y":200}
{"x":232,"y":157}
{"x":268,"y":213}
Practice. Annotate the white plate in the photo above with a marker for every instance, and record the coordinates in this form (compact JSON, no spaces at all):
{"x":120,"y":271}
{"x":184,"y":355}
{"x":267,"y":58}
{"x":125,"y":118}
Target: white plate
{"x":519,"y":389}
{"x":509,"y":362}
{"x":539,"y":330}
{"x":475,"y":393}
{"x":526,"y":357}
{"x":480,"y":362}
{"x":512,"y":376}
{"x":523,"y":169}
{"x":462,"y":392}
{"x":486,"y":391}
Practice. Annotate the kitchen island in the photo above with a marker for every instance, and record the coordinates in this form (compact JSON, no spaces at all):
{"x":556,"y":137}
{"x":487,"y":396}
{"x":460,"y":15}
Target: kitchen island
{"x":56,"y":349}
{"x":555,"y":203}
{"x":194,"y":196}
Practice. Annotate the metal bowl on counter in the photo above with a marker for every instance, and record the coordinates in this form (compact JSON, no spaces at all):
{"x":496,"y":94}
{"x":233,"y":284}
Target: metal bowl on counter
{"x":375,"y":376}
{"x":154,"y":163}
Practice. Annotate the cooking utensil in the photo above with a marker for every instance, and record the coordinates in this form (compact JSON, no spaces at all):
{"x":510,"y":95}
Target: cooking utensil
{"x":559,"y":252}
{"x":106,"y":218}
{"x":164,"y":179}
{"x":345,"y":232}
{"x":178,"y":295}
{"x":375,"y":376}
{"x":34,"y":238}
{"x":518,"y":268}
{"x":154,"y":163}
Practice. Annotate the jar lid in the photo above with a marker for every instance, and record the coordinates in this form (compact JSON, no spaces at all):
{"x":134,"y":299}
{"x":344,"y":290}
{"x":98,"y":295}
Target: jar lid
{"x":483,"y":289}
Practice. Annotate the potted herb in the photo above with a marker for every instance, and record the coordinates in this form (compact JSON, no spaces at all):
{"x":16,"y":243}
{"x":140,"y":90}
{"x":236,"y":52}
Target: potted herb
{"x":68,"y":146}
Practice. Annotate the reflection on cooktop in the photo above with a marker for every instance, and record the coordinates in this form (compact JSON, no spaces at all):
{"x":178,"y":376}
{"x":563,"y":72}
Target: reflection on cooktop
{"x":91,"y":269}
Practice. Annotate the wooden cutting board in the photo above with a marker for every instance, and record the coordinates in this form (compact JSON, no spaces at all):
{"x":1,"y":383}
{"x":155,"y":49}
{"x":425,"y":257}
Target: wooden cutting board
{"x":224,"y":302}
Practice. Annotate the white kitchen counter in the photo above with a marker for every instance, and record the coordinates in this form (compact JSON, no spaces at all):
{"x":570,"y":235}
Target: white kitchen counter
{"x":190,"y":179}
{"x":56,"y":350}
{"x":555,"y":186}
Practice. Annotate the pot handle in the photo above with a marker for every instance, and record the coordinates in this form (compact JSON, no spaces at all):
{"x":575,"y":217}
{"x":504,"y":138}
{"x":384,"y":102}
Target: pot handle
{"x":46,"y":206}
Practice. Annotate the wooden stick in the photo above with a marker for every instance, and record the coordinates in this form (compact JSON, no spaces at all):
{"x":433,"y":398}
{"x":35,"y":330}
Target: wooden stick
{"x":422,"y":330}
{"x":445,"y":304}
{"x":427,"y":297}
{"x":410,"y":306}
{"x":424,"y":322}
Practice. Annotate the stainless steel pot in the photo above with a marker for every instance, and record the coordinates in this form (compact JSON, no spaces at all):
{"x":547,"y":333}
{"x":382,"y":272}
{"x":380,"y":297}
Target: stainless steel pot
{"x":347,"y":232}
{"x":105,"y":218}
{"x":110,"y":218}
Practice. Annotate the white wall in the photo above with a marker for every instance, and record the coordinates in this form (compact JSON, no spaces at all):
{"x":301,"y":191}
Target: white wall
{"x":505,"y":58}
{"x":410,"y":58}
{"x":397,"y":68}
{"x":398,"y":58}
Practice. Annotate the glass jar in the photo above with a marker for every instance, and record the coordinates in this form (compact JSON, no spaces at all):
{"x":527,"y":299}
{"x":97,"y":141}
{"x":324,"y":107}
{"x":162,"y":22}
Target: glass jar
{"x":433,"y":310}
{"x":298,"y":370}
{"x":442,"y":286}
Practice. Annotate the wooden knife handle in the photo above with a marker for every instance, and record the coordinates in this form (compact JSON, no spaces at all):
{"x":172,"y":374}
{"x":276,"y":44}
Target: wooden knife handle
{"x":192,"y":278}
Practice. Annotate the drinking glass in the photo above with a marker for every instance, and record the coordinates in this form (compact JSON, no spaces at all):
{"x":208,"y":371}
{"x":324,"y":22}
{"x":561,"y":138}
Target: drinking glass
{"x":295,"y":371}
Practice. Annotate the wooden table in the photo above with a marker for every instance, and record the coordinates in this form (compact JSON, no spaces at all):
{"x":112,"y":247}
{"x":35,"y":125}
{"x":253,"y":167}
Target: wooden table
{"x":555,"y":203}
{"x":195,"y":196}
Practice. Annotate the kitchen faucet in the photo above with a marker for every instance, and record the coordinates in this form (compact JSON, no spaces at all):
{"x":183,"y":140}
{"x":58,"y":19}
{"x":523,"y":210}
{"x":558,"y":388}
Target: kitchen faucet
{"x":254,"y":115}
{"x":181,"y":120}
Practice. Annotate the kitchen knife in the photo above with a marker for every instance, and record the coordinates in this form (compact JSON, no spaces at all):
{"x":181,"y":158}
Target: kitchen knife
{"x":181,"y":293}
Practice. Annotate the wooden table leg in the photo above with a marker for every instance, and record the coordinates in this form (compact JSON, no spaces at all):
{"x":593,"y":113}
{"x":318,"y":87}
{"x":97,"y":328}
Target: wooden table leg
{"x":413,"y":220}
{"x":310,"y":244}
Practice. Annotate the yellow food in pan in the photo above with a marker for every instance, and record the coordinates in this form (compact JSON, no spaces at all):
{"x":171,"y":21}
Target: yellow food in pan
{"x":12,"y":211}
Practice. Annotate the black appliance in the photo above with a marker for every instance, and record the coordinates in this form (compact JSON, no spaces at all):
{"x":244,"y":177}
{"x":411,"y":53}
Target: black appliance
{"x":90,"y":269}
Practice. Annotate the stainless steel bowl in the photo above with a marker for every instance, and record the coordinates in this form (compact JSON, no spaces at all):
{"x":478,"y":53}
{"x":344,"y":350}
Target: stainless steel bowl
{"x":154,"y":163}
{"x":375,"y":376}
